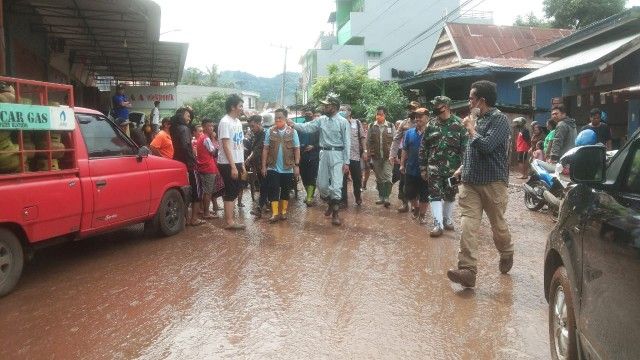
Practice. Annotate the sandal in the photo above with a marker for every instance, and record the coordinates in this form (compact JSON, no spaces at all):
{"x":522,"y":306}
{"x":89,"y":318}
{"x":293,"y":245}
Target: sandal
{"x":235,"y":226}
{"x":197,"y":223}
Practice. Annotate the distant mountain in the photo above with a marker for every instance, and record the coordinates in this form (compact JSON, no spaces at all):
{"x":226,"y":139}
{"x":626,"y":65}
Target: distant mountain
{"x":268,"y":88}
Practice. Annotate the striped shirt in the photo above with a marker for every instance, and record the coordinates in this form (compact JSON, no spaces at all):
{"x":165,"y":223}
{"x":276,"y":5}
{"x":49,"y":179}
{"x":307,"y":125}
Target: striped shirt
{"x":485,"y":158}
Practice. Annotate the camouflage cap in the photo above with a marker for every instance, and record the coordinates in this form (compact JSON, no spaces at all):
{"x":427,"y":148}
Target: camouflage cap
{"x":331,"y":100}
{"x":441,"y":100}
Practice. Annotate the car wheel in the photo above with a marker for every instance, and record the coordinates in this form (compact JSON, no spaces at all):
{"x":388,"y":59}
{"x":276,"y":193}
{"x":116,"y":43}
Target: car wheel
{"x":169,"y":219}
{"x":11,"y":261}
{"x":562,"y":323}
{"x":531,"y":202}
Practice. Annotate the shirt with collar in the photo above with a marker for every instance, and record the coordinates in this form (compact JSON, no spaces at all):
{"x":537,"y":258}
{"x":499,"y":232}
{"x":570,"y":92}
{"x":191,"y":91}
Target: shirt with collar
{"x":485,"y":157}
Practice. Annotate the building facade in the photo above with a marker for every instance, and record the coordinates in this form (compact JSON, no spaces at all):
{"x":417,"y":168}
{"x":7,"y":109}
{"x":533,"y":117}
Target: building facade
{"x":596,"y":66}
{"x":371,"y":33}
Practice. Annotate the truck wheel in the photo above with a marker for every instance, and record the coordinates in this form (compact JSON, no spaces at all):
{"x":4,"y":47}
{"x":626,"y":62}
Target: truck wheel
{"x":562,"y":322}
{"x":11,"y":261}
{"x":169,"y":219}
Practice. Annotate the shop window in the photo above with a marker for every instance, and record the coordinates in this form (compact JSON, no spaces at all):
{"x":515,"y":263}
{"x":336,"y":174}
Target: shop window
{"x":102,"y":138}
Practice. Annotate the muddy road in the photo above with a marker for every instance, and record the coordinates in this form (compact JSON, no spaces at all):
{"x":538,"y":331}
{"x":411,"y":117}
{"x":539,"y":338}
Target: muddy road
{"x":374,"y":288}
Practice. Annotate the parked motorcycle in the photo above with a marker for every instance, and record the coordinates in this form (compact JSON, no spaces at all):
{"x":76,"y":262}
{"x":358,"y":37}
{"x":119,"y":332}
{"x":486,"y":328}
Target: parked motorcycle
{"x":546,"y":186}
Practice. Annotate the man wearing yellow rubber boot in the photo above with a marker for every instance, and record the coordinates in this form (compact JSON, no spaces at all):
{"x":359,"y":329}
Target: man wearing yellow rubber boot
{"x":280,"y":162}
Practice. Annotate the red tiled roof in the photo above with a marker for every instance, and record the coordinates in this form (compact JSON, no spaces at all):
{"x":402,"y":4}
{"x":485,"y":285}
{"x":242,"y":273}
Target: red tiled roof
{"x":476,"y":41}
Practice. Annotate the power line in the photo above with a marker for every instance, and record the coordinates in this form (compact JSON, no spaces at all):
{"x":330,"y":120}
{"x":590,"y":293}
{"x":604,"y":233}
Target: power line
{"x":408,"y":45}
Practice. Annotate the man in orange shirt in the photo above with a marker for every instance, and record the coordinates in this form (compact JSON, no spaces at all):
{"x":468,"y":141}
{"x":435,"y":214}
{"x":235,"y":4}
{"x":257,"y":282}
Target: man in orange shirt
{"x":161,"y":144}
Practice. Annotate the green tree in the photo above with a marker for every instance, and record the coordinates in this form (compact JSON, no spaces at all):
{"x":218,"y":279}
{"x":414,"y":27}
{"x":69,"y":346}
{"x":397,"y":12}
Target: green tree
{"x":192,"y":76}
{"x":210,"y":107}
{"x":531,"y":20}
{"x":354,"y":87}
{"x":211,"y":76}
{"x":575,"y":14}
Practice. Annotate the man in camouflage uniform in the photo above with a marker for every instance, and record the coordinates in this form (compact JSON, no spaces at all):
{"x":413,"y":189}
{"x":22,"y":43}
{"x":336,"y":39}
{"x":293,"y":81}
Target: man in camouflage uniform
{"x":441,"y":152}
{"x":396,"y":145}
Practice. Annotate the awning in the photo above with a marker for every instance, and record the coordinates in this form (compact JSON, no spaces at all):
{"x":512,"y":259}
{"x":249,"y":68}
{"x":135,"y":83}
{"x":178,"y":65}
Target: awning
{"x":599,"y":57}
{"x":115,"y":38}
{"x":468,"y":72}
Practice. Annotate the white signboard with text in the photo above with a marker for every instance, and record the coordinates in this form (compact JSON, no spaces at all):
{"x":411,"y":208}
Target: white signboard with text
{"x":142,"y":97}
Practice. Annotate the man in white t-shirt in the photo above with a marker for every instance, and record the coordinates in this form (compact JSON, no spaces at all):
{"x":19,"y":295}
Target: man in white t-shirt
{"x":231,"y":158}
{"x":155,"y":117}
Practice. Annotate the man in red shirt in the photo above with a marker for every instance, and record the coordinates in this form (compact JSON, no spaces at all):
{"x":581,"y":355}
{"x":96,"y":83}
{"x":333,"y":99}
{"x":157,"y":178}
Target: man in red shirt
{"x":523,"y":144}
{"x":207,"y":167}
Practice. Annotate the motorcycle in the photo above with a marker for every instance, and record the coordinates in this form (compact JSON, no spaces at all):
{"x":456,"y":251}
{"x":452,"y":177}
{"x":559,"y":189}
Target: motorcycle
{"x":548,"y":183}
{"x":546,"y":186}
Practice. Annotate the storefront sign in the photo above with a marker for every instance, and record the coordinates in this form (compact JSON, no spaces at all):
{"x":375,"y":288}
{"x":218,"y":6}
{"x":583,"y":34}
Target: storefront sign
{"x":143,"y":97}
{"x":36,"y":117}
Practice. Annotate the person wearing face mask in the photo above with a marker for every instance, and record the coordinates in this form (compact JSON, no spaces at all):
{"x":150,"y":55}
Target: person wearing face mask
{"x":280,"y":163}
{"x":335,"y":144}
{"x":358,"y":152}
{"x":401,"y":128}
{"x":485,"y":177}
{"x":310,"y":156}
{"x":379,"y":140}
{"x":441,"y":153}
{"x":416,"y":188}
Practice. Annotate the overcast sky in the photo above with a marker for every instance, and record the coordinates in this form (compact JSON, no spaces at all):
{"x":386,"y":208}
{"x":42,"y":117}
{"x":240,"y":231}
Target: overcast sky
{"x":246,"y":34}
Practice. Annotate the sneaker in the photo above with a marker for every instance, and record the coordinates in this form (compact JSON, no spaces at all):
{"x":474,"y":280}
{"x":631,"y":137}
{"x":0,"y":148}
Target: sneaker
{"x":274,"y":218}
{"x":415,"y":213}
{"x":404,"y":208}
{"x":448,"y":225}
{"x":387,"y":204}
{"x":424,"y":220}
{"x":437,"y":229}
{"x":379,"y":202}
{"x":359,"y":202}
{"x":506,"y":264}
{"x":464,"y":277}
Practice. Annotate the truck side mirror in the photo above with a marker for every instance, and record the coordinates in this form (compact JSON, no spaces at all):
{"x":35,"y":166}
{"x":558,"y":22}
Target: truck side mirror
{"x":588,"y":165}
{"x":143,"y":152}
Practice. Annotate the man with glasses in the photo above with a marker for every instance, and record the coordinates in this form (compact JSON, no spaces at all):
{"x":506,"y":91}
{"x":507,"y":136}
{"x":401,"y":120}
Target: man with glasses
{"x":485,"y":175}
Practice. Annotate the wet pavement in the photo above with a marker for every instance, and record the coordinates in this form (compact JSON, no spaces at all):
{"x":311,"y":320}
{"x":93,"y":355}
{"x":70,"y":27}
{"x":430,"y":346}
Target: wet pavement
{"x":373,"y":288}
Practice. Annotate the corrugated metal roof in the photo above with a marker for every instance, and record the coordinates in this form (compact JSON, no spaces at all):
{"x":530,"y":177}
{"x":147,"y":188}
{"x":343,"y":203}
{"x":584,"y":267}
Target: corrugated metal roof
{"x":477,"y":41}
{"x":581,"y":62}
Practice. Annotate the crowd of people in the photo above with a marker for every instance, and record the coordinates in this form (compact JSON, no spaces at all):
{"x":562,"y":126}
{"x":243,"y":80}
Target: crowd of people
{"x":433,"y":155}
{"x":549,"y":142}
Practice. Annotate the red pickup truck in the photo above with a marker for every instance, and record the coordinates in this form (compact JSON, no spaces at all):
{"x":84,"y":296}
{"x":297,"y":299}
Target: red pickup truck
{"x":67,"y":173}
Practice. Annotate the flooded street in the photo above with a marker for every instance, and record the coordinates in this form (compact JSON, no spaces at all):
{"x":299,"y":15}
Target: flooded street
{"x":374,"y":288}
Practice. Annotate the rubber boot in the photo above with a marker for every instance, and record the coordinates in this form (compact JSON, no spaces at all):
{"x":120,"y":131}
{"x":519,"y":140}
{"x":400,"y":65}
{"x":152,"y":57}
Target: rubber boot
{"x":448,"y":216}
{"x":335,"y":220}
{"x":380,"y":188}
{"x":284,"y":205}
{"x":274,"y":211}
{"x":387,"y":194}
{"x":311,"y":189}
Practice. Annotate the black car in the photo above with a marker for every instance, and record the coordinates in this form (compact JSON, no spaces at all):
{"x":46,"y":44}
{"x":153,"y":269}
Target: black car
{"x":592,"y":259}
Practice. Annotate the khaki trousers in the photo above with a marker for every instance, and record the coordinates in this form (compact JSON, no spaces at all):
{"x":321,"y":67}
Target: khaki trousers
{"x":491,"y":198}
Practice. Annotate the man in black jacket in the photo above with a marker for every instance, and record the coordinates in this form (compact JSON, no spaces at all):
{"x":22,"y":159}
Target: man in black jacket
{"x":183,"y":152}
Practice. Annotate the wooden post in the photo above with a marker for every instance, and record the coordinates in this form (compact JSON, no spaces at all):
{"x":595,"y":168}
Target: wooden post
{"x":3,"y":50}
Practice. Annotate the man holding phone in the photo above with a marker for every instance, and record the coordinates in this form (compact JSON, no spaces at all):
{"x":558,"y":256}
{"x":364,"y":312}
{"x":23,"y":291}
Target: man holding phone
{"x":485,"y":176}
{"x":441,"y":154}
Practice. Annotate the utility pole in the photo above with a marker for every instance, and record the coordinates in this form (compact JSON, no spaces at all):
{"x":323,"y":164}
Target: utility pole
{"x":284,"y":72}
